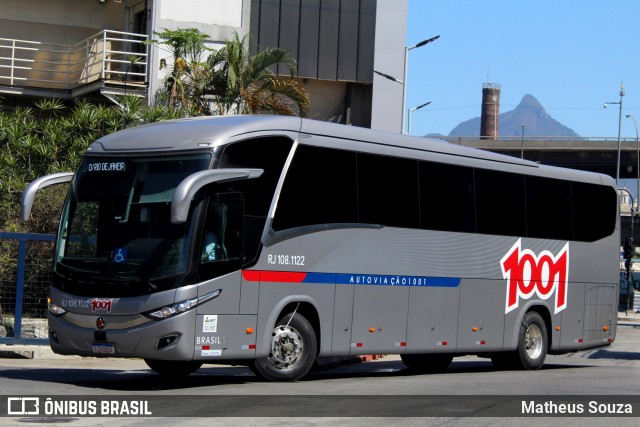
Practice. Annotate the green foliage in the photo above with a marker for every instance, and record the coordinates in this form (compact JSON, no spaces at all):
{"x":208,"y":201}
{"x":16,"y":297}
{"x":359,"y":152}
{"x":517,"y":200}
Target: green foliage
{"x":48,"y":138}
{"x":250,"y":84}
{"x":188,"y":43}
{"x":51,"y":137}
{"x":229,"y":80}
{"x":187,"y":47}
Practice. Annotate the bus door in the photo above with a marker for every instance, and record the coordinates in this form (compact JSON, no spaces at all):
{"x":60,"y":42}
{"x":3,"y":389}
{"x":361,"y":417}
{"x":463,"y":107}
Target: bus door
{"x":219,"y":256}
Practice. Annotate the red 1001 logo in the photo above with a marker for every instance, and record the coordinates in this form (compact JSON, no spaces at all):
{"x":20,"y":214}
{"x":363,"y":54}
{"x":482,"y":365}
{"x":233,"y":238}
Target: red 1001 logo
{"x":101,"y":305}
{"x":528,"y":274}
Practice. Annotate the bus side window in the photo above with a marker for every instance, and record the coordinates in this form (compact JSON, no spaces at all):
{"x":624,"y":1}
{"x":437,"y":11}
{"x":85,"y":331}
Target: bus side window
{"x":210,"y":247}
{"x":221,"y":245}
{"x":213,"y":240}
{"x":222,"y":236}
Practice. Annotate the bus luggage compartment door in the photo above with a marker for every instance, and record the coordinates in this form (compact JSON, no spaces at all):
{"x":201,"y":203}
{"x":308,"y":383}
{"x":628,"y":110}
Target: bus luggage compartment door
{"x":481,"y":316}
{"x":433,"y":319}
{"x":342,"y":320}
{"x":379,"y":319}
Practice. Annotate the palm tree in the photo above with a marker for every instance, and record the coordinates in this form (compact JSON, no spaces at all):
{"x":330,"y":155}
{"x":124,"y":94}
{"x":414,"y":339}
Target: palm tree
{"x":230,"y":80}
{"x":187,"y":47}
{"x":245,"y":83}
{"x":276,"y":96}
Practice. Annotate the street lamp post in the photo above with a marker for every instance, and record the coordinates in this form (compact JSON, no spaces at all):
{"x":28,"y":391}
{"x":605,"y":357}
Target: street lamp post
{"x":629,"y":116}
{"x":411,"y":110}
{"x":619,"y":128}
{"x":387,"y":76}
{"x":406,"y":63}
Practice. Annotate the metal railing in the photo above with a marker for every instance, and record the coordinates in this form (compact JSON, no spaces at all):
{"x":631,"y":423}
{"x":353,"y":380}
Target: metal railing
{"x":107,"y":55}
{"x":25,"y":276}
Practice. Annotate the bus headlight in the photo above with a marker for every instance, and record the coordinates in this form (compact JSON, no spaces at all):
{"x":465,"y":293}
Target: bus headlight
{"x":181,"y":307}
{"x":55,"y":309}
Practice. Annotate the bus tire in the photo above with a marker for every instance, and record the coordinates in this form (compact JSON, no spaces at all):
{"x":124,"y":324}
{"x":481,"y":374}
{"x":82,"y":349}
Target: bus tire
{"x":292,"y":352}
{"x":532,"y":342}
{"x":427,"y":362}
{"x":173,"y":368}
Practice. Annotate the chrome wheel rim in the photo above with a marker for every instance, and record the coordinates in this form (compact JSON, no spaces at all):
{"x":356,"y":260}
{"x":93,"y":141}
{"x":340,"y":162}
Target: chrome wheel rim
{"x":286,"y":347}
{"x":533,"y":341}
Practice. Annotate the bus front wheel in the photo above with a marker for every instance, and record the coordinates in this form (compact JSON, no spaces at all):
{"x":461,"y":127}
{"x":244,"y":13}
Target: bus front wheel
{"x":172,"y":367}
{"x":292,"y":351}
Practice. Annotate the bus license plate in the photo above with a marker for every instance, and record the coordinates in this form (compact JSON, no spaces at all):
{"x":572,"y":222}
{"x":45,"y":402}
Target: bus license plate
{"x":103,"y":348}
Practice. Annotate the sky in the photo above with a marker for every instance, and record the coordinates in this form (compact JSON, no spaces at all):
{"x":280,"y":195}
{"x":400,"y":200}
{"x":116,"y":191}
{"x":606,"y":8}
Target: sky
{"x":571,"y":55}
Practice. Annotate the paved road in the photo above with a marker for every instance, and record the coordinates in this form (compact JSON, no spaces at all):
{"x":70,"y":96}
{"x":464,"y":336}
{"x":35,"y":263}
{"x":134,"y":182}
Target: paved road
{"x":374,"y":386}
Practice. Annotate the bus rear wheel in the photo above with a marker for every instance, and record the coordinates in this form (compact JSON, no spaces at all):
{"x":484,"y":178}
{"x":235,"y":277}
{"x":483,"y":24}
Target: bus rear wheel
{"x":173,"y":368}
{"x":532,"y":341}
{"x":427,"y":362}
{"x":532,"y":346}
{"x":292,"y":352}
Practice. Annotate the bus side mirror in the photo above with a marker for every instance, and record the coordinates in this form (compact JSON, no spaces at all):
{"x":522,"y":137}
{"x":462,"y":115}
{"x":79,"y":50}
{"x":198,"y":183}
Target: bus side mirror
{"x":29,"y":193}
{"x":191,"y":184}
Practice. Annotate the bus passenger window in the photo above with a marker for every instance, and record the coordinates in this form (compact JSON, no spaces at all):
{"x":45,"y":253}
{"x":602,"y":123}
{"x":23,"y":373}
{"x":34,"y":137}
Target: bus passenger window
{"x":320,"y":188}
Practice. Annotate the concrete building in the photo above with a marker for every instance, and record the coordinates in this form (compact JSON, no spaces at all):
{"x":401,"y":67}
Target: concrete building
{"x":83,"y":48}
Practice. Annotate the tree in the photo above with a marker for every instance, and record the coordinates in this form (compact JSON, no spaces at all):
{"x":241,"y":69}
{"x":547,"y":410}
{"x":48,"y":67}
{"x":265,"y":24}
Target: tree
{"x":52,"y":137}
{"x":246,"y":83}
{"x":182,"y":88}
{"x":46,"y":138}
{"x":230,"y":80}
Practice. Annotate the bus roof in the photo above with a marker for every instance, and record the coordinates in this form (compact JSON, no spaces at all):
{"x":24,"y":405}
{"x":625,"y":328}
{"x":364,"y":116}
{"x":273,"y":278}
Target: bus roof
{"x":202,"y":132}
{"x":191,"y":133}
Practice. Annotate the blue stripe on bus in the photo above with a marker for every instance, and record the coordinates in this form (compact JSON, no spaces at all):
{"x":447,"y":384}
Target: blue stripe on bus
{"x":350,"y":279}
{"x":396,"y":280}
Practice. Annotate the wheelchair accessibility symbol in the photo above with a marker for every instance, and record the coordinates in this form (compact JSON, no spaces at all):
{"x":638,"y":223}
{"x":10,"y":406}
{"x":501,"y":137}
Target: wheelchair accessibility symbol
{"x":120,"y":256}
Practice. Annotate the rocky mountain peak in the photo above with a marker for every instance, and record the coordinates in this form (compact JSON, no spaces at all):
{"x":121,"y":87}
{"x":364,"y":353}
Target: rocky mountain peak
{"x":529,"y":113}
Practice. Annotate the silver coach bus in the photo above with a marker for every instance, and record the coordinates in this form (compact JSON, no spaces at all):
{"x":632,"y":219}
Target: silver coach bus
{"x":272,"y":241}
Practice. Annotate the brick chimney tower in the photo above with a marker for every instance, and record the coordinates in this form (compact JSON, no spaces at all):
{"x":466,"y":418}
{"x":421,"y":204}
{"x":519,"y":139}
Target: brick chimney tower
{"x":490,"y":115}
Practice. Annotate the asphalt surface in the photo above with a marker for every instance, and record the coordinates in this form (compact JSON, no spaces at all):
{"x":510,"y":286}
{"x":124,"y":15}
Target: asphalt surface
{"x":41,"y":359}
{"x":44,"y":351}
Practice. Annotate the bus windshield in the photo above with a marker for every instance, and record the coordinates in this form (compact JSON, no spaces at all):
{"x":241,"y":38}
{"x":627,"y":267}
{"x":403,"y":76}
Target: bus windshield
{"x":116,"y":228}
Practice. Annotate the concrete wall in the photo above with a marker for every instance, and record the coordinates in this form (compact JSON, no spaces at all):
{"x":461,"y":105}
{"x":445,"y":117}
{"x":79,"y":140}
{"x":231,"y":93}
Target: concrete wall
{"x":391,"y":38}
{"x":50,"y":21}
{"x":219,"y":19}
{"x":69,"y":21}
